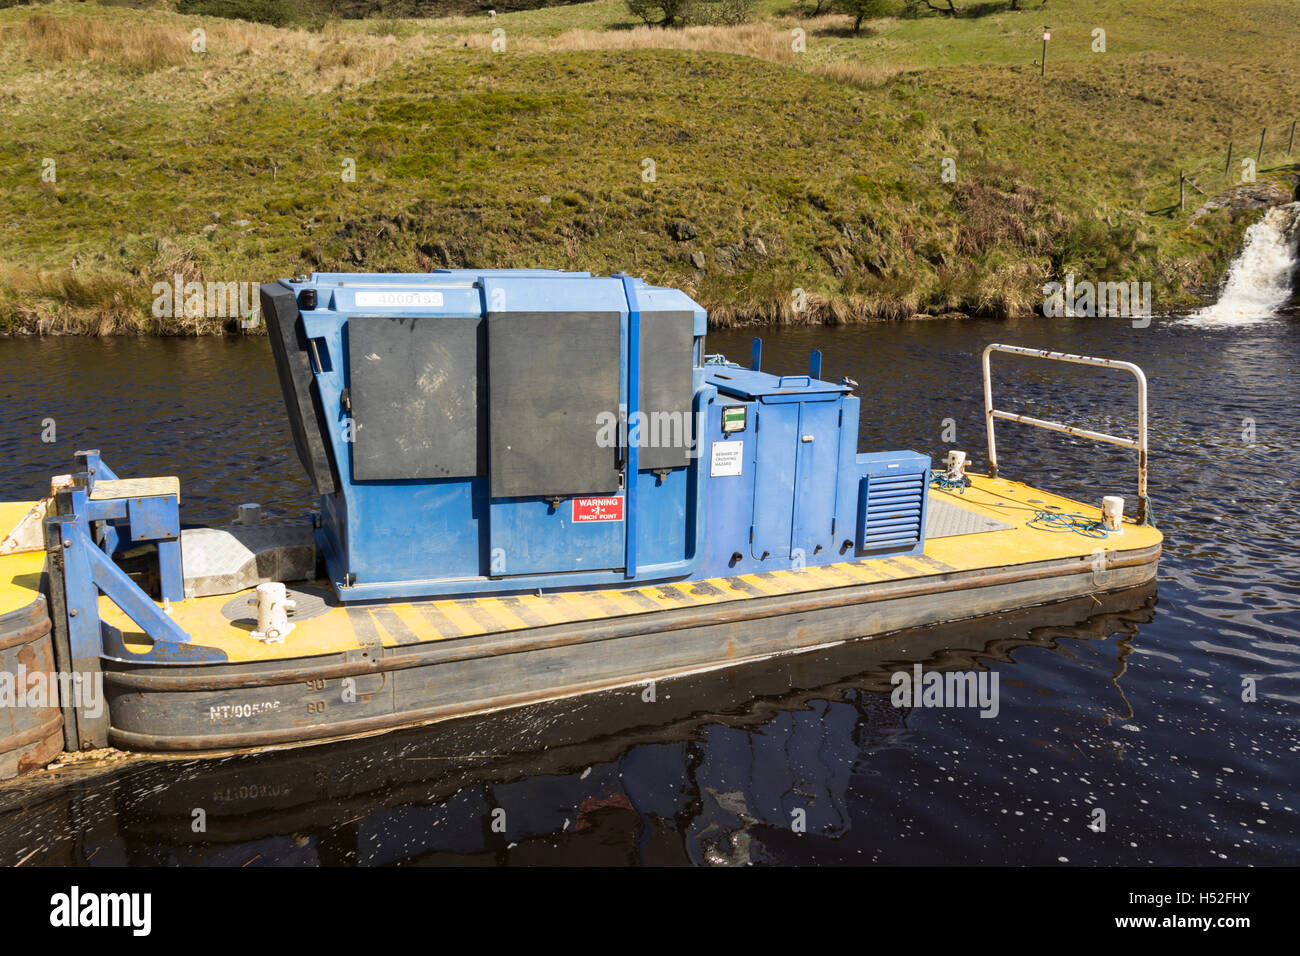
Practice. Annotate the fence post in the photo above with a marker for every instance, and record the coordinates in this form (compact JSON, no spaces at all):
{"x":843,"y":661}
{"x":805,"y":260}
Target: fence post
{"x":1182,"y":178}
{"x":1292,"y":141}
{"x":1228,"y":165}
{"x":1259,"y":157}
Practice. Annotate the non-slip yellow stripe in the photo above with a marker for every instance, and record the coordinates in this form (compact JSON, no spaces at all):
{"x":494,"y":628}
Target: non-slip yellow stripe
{"x":347,"y":619}
{"x":586,"y":610}
{"x":621,"y":601}
{"x":822,"y":577}
{"x":687,"y":596}
{"x":873,"y":571}
{"x":934,"y":564}
{"x":503,"y":613}
{"x":458,"y":616}
{"x":863,"y":573}
{"x":759,"y":584}
{"x":836,"y":575}
{"x":440,"y":623}
{"x":709,"y":591}
{"x":912,"y":564}
{"x":556,"y":604}
{"x":660,"y":599}
{"x":788,"y":582}
{"x":486,"y":611}
{"x":544,"y":607}
{"x":417,"y":623}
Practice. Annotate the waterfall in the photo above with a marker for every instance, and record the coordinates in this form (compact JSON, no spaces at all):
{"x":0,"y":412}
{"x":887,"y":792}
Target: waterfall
{"x":1259,"y":280}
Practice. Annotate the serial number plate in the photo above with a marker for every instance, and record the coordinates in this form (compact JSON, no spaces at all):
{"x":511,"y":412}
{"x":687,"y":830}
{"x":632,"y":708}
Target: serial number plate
{"x":224,"y":713}
{"x":399,"y":299}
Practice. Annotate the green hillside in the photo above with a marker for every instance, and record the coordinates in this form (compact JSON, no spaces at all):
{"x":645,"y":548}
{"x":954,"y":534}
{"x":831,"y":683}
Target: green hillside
{"x":774,"y":169}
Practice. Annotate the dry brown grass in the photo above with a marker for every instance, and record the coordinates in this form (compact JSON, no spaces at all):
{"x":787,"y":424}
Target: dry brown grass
{"x":236,"y":51}
{"x":856,"y":73}
{"x":80,"y":301}
{"x":134,"y":47}
{"x":349,"y":61}
{"x":66,"y":301}
{"x":760,"y":41}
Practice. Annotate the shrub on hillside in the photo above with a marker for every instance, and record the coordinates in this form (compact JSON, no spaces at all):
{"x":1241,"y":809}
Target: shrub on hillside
{"x":258,"y":11}
{"x":861,"y":10}
{"x":725,"y":12}
{"x":682,"y":13}
{"x":664,"y":13}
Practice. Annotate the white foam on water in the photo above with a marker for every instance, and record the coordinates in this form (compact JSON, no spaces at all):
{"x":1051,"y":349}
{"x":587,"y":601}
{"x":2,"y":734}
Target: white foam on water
{"x":1259,"y":280}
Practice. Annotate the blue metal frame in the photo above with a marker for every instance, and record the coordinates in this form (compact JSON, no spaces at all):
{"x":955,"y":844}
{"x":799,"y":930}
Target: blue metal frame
{"x":88,"y":532}
{"x":633,"y":402}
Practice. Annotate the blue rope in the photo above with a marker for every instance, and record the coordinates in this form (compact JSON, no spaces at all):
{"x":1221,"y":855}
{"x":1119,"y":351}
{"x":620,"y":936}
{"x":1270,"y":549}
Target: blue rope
{"x":941,"y":481}
{"x":1061,"y":522}
{"x":1057,"y":521}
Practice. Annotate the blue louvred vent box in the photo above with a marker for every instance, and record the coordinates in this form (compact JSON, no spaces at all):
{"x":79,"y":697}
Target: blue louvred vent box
{"x":892,"y":497}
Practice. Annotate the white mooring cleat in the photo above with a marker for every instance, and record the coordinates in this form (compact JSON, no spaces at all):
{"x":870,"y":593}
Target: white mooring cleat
{"x":273,"y":607}
{"x":1112,"y":514}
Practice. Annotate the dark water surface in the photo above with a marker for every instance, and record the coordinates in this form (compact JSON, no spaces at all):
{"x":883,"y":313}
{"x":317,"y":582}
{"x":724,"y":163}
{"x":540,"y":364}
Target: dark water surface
{"x":1132,"y":705}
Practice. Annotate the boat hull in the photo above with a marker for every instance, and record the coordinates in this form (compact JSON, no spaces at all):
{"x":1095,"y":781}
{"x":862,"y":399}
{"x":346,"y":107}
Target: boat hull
{"x":217,"y":707}
{"x":31,"y":735}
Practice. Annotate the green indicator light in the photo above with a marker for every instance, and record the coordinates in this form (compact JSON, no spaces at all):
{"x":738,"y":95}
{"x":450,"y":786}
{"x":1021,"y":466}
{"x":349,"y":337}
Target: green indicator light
{"x":733,"y":419}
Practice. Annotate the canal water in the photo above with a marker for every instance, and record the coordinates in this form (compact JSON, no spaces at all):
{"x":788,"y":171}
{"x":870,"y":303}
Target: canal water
{"x":1135,"y":706}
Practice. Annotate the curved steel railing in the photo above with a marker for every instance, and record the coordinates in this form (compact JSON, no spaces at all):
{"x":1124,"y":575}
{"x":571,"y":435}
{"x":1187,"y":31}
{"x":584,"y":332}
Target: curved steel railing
{"x":1139,"y":444}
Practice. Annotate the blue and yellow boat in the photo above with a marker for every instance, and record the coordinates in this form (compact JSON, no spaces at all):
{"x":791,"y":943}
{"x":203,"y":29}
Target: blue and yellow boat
{"x":530,"y":485}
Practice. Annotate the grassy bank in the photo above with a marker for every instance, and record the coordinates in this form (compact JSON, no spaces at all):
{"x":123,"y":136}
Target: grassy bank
{"x":775,"y":170}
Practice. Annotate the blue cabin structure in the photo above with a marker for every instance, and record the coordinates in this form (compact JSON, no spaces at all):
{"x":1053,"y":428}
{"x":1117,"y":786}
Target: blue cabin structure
{"x":493,"y":431}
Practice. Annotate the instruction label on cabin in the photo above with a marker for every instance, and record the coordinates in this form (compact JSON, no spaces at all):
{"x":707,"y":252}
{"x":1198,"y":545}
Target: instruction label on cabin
{"x":726,"y":459}
{"x":597,"y":509}
{"x":398,"y":298}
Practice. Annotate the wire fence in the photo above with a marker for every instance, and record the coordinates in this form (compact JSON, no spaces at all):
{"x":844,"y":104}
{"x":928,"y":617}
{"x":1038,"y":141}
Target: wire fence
{"x":1248,"y":165}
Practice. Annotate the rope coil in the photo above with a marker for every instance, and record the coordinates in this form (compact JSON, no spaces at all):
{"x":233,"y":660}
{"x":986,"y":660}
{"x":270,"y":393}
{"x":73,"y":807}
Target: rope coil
{"x":942,"y":481}
{"x":1064,"y":522}
{"x":1060,"y":522}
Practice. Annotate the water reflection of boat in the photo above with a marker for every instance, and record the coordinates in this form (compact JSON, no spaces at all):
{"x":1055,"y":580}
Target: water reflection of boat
{"x":727,"y":757}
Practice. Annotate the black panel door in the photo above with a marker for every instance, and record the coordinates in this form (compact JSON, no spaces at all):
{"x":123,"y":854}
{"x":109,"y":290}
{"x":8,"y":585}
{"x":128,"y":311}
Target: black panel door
{"x":416,"y":387}
{"x":553,"y":378}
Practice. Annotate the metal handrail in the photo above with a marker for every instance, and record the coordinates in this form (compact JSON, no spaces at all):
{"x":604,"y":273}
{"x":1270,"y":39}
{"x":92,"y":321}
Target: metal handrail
{"x":1139,"y":444}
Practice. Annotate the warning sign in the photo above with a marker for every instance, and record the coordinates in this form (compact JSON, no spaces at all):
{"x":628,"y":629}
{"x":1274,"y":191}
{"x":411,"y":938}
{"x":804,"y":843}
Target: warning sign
{"x":597,"y":509}
{"x":727,"y":459}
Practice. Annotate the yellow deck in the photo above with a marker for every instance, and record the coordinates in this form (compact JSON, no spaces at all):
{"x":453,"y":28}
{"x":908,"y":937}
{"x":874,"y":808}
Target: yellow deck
{"x":20,"y":574}
{"x":397,"y":623}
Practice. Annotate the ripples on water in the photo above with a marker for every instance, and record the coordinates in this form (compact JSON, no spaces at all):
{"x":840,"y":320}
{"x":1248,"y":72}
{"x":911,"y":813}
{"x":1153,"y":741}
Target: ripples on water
{"x":1134,"y":708}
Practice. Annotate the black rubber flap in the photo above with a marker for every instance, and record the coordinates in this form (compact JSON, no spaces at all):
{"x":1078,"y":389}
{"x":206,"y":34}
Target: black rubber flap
{"x":667,"y":354}
{"x":553,"y":380}
{"x":416,"y":387}
{"x":297,"y":383}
